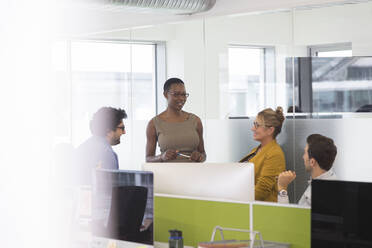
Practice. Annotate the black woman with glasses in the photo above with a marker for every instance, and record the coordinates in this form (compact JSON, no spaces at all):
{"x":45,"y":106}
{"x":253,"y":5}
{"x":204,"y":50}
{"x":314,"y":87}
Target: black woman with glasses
{"x":178,"y":133}
{"x":268,"y":158}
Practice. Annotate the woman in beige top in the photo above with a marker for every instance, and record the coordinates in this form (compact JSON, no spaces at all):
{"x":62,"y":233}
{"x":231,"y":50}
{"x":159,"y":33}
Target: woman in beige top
{"x":178,"y":133}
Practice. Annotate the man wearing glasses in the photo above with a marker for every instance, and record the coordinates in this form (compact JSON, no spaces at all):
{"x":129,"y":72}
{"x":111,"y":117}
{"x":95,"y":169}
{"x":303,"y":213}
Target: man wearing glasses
{"x":96,"y":152}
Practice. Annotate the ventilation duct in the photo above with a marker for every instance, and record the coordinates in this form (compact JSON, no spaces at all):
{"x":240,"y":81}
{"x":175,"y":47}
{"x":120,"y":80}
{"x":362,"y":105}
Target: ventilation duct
{"x":173,"y":6}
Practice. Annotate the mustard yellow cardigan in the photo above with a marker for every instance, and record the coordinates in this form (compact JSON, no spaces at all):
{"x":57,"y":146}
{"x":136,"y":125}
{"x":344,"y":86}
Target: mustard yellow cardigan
{"x":268,"y":163}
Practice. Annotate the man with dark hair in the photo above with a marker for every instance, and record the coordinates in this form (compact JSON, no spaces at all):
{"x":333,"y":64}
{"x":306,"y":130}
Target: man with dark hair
{"x":319,"y":155}
{"x":106,"y":127}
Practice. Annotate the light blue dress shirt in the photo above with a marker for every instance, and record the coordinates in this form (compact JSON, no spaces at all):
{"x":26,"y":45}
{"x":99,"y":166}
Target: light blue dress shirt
{"x":94,"y":153}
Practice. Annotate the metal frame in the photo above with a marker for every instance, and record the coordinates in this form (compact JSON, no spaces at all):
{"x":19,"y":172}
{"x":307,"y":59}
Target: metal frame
{"x":253,"y":234}
{"x":313,"y":50}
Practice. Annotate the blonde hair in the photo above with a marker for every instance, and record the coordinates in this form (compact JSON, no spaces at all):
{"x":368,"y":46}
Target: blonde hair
{"x":271,"y":118}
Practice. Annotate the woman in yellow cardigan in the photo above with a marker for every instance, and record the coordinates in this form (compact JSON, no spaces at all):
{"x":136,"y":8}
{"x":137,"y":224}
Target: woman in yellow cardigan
{"x":268,"y":158}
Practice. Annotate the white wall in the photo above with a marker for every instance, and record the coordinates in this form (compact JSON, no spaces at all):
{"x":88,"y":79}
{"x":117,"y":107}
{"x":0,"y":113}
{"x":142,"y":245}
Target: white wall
{"x":337,"y":24}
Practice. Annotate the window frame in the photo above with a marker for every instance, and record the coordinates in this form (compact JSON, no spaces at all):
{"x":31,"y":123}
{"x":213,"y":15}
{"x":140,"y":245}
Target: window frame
{"x":160,"y":60}
{"x":160,"y":66}
{"x":315,"y":49}
{"x":268,"y":59}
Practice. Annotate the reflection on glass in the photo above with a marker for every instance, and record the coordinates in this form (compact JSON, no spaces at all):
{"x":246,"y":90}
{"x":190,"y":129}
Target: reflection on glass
{"x":332,"y":85}
{"x":341,"y":84}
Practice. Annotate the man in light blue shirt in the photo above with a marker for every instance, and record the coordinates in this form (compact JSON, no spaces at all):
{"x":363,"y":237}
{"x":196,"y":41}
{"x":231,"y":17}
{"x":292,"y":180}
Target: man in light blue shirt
{"x":96,"y":152}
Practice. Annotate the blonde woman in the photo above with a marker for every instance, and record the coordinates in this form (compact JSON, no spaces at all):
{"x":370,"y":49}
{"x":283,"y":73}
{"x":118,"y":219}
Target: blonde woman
{"x":268,"y":158}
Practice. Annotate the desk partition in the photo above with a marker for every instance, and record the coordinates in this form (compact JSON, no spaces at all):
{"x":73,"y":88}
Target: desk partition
{"x":224,"y":181}
{"x":197,"y":218}
{"x":195,"y":198}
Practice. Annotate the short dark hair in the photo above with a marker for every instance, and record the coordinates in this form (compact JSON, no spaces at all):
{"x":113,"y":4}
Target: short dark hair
{"x":106,"y":119}
{"x":171,"y":81}
{"x":322,"y":149}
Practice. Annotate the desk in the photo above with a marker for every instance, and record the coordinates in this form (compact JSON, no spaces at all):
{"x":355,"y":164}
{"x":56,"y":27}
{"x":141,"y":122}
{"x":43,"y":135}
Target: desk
{"x":166,"y":245}
{"x":99,"y":242}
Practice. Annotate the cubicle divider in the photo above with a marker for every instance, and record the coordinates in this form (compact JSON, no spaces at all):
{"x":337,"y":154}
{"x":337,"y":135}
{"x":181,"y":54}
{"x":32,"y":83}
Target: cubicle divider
{"x":283,"y":223}
{"x":194,"y":198}
{"x":197,"y":217}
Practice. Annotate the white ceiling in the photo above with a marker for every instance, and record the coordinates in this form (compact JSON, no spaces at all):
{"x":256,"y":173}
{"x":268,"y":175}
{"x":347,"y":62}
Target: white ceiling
{"x":83,"y":20}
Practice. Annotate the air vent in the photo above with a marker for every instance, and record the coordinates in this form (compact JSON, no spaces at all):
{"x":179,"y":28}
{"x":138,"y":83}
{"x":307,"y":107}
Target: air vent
{"x":173,"y":6}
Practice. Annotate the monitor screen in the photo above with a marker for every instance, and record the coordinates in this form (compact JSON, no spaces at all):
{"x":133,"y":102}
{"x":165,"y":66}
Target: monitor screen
{"x":219,"y":181}
{"x":123,"y":205}
{"x":341,"y":214}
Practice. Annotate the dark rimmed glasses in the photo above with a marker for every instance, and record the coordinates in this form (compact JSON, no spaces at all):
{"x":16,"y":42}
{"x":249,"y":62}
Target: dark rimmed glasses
{"x":179,"y":94}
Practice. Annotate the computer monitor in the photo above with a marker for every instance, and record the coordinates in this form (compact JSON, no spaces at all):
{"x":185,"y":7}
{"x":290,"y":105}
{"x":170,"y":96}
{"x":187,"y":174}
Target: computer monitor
{"x":123,"y":205}
{"x":341,"y":214}
{"x":220,"y":181}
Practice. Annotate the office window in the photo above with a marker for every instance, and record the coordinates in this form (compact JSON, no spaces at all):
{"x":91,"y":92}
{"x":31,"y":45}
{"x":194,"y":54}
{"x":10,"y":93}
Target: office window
{"x":251,"y":69}
{"x":331,"y":50}
{"x":332,"y":81}
{"x":62,"y":93}
{"x":93,"y":74}
{"x":115,"y":74}
{"x":342,"y":84}
{"x":332,"y":85}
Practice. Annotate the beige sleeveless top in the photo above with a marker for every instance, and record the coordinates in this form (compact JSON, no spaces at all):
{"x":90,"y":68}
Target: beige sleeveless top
{"x":181,"y":136}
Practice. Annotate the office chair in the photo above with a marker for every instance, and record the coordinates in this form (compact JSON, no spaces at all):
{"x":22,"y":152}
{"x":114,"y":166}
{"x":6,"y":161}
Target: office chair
{"x":128,"y":204}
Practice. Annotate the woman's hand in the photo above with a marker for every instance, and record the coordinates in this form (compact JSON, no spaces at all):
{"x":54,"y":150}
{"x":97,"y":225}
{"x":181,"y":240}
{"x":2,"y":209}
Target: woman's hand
{"x":168,"y":155}
{"x":196,"y":156}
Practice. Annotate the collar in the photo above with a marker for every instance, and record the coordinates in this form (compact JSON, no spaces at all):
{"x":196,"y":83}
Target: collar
{"x":263,"y":149}
{"x":325,"y":175}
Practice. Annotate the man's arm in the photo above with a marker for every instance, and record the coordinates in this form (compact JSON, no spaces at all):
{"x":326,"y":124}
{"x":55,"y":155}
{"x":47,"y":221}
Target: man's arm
{"x":284,"y":179}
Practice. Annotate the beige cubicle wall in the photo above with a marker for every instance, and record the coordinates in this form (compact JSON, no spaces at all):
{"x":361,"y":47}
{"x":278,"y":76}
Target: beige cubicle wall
{"x":197,"y":50}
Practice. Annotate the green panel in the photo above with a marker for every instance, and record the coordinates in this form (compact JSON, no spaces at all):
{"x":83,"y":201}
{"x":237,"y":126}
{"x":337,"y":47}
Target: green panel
{"x":283,"y":224}
{"x":197,"y":218}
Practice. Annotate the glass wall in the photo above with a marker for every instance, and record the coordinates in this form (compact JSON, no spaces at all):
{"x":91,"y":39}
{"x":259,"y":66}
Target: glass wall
{"x":98,"y":73}
{"x":234,"y":66}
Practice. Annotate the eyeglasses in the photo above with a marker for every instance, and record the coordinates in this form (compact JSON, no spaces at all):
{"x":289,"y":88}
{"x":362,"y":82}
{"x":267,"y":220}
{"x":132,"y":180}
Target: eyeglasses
{"x":122,"y":128}
{"x":257,"y":125}
{"x":178,"y":94}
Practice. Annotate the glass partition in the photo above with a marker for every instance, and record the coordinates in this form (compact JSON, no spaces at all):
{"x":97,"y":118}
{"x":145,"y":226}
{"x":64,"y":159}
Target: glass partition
{"x":332,"y":82}
{"x":246,"y":72}
{"x":245,"y":57}
{"x":312,"y":61}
